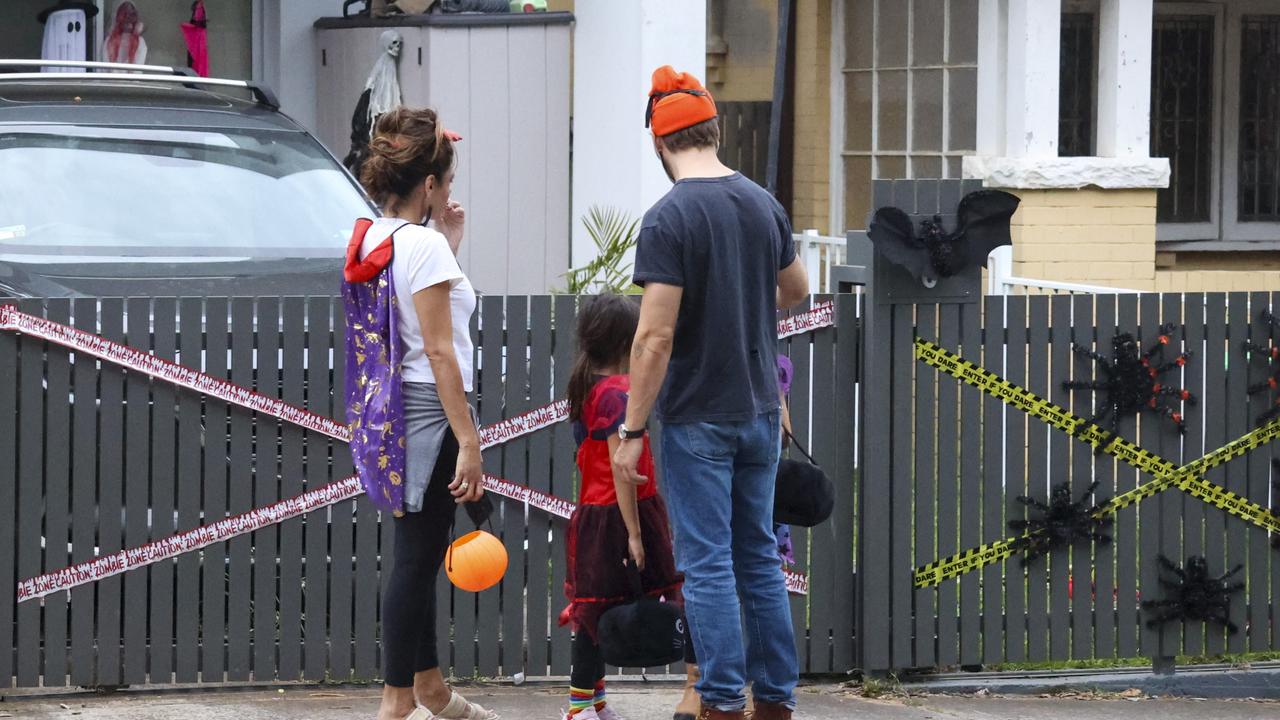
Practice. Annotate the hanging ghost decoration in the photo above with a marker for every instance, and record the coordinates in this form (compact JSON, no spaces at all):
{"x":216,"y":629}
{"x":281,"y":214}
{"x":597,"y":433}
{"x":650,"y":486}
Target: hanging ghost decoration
{"x":381,"y":93}
{"x":66,"y":33}
{"x":124,"y":42}
{"x":195,"y":35}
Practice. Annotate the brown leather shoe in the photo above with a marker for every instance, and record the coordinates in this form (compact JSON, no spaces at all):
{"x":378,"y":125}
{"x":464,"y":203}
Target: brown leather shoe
{"x":690,"y":704}
{"x":713,"y":714}
{"x":770,"y":711}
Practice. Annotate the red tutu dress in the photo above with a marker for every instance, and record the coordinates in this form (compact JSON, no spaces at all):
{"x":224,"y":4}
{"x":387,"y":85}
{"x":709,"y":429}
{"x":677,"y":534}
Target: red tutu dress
{"x":597,"y":578}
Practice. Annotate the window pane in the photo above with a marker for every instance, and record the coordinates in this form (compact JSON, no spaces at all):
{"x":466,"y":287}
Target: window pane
{"x":892,"y":122}
{"x":928,"y":22}
{"x":926,"y":110}
{"x":891,"y":34}
{"x":1182,"y":114}
{"x":891,"y":167}
{"x":859,"y":33}
{"x":962,"y":94}
{"x":964,"y":32}
{"x":1075,"y":86}
{"x":926,"y":166}
{"x":1260,"y":119}
{"x":858,"y":117}
{"x":857,"y":191}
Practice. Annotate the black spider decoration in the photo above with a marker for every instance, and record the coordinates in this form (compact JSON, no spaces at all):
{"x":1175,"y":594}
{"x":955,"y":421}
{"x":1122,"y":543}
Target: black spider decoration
{"x":1131,"y":380}
{"x":1272,"y":355}
{"x":1195,"y":595}
{"x":1062,"y":522}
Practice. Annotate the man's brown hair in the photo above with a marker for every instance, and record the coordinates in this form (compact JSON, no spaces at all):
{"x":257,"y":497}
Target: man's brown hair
{"x":705,"y":134}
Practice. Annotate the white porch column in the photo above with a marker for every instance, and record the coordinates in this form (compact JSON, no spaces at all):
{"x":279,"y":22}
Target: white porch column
{"x":285,"y":53}
{"x":1124,"y":79}
{"x":1031,"y":109}
{"x":993,"y":48}
{"x":617,"y":46}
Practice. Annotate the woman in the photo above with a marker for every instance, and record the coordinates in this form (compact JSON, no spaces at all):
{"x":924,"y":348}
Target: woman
{"x":414,"y":439}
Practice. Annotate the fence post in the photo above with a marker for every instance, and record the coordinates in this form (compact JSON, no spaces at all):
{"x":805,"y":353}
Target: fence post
{"x":884,"y":590}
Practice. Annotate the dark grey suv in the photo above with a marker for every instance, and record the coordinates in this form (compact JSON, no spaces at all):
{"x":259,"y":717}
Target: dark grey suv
{"x":160,"y":183}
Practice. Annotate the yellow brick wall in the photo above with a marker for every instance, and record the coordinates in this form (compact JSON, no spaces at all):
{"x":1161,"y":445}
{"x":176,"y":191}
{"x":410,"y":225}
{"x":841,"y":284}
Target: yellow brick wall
{"x":1108,"y":237}
{"x":811,"y":176}
{"x":1087,"y":236}
{"x":750,"y":34}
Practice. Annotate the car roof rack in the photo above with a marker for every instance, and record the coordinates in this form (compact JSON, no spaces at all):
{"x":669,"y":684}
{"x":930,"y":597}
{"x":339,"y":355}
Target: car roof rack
{"x":126,"y":72}
{"x":123,"y":67}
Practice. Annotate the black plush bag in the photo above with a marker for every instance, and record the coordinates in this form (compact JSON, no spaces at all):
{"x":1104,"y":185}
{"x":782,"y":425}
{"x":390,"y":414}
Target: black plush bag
{"x":803,"y":494}
{"x":645,"y":632}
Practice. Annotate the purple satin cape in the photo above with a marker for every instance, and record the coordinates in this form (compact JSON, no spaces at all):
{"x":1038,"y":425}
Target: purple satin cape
{"x":375,"y":403}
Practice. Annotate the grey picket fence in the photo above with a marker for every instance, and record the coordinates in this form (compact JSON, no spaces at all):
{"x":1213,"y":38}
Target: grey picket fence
{"x":953,"y":460}
{"x":95,"y":459}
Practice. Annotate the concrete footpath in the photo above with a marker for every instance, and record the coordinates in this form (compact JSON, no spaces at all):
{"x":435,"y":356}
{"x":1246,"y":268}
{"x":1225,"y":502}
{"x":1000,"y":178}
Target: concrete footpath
{"x":543,"y":702}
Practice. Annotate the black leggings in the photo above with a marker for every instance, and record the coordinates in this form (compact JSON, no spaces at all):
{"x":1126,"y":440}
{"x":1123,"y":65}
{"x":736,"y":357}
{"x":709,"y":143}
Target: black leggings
{"x":409,"y":607}
{"x":588,"y":664}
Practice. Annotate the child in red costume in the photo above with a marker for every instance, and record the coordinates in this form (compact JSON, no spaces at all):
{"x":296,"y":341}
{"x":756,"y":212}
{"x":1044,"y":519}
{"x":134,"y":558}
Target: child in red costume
{"x":615,"y":522}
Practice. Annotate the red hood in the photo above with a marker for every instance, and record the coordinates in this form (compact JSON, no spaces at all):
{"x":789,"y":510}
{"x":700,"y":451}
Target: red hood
{"x":357,"y":270}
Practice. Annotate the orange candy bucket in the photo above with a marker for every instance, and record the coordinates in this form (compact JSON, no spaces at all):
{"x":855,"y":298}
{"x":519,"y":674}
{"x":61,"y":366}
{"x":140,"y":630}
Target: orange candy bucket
{"x":476,"y":561}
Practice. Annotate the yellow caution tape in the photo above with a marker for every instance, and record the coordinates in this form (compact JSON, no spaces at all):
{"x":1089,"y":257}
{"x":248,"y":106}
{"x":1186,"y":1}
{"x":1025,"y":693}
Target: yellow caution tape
{"x":1189,"y":478}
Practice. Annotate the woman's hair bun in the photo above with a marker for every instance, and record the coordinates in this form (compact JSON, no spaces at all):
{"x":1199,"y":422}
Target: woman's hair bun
{"x":408,"y":145}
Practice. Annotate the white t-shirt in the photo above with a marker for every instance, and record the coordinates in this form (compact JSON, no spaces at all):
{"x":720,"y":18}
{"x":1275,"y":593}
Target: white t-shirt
{"x":422,"y":258}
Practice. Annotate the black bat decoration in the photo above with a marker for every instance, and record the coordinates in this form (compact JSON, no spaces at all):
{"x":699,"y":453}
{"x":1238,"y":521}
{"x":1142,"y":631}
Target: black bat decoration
{"x":1195,"y":594}
{"x":1062,"y":522}
{"x":982,"y":225}
{"x":1272,"y":356}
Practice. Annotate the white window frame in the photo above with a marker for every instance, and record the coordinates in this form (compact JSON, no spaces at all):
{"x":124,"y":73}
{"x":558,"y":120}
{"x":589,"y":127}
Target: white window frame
{"x":1233,"y":229}
{"x":1211,"y":230}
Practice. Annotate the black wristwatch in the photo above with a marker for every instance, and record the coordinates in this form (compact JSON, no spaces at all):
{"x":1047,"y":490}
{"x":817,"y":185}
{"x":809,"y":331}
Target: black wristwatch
{"x":626,"y":434}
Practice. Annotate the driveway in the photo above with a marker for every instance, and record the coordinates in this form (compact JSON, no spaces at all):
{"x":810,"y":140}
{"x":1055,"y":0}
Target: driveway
{"x":818,"y":702}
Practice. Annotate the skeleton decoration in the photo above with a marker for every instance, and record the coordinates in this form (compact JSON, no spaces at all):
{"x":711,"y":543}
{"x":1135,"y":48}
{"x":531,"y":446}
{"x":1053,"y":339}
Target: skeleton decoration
{"x":66,"y":33}
{"x":124,"y":41}
{"x":1194,"y":594}
{"x":1131,"y":380}
{"x":1062,"y":522}
{"x":1271,"y":384}
{"x":381,"y":93}
{"x":195,"y":35}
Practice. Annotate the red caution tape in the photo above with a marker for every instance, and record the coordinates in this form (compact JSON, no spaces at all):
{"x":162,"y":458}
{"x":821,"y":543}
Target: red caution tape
{"x":148,"y":364}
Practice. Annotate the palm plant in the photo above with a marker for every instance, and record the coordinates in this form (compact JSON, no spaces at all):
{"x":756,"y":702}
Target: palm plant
{"x":614,"y":233}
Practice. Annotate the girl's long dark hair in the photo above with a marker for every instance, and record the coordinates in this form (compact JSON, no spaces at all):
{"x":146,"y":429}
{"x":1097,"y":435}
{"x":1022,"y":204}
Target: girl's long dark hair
{"x":606,"y":327}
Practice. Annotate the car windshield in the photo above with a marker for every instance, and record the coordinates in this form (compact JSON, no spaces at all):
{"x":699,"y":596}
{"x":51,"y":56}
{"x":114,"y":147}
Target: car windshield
{"x":90,"y":190}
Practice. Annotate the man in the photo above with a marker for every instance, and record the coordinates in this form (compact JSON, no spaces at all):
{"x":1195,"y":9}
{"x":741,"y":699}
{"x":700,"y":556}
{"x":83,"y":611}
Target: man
{"x":716,"y":259}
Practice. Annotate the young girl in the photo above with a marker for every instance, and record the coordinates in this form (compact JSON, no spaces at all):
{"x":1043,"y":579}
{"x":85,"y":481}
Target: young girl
{"x":616,"y":521}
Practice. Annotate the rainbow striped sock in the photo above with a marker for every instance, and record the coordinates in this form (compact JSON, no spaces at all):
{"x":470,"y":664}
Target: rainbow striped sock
{"x":600,"y":701}
{"x":580,"y":700}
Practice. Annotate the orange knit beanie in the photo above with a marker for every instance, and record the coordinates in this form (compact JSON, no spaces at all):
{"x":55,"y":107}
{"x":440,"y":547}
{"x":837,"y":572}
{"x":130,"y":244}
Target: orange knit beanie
{"x":677,"y":101}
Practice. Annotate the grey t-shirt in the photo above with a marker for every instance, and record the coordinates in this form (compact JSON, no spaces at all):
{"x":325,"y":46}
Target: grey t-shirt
{"x":723,"y":240}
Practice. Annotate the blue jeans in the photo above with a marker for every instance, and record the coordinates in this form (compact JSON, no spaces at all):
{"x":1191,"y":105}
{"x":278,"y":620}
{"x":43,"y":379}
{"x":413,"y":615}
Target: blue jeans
{"x":719,"y":480}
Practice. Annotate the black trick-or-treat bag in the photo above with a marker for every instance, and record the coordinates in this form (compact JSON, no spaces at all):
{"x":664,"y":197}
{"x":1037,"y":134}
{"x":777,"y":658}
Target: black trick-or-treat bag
{"x":803,"y":494}
{"x":645,"y":632}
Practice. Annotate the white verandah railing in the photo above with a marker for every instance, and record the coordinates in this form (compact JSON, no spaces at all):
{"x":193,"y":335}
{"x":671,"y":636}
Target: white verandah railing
{"x":820,"y":253}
